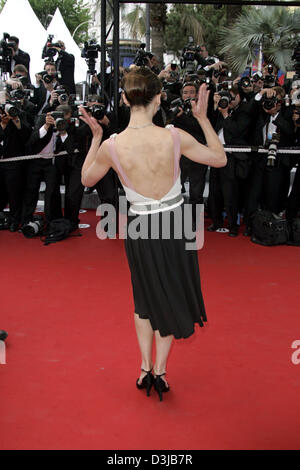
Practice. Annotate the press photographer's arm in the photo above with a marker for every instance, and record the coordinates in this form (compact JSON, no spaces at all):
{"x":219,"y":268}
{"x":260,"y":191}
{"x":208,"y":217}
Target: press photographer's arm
{"x":96,"y":164}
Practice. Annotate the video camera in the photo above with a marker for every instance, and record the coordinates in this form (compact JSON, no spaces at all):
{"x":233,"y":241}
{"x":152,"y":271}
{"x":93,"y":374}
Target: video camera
{"x":48,"y":51}
{"x":142,"y":57}
{"x":190,"y":54}
{"x":6,"y":53}
{"x":90,"y":53}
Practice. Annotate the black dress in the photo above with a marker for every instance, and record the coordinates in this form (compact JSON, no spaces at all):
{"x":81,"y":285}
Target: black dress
{"x":166,"y":282}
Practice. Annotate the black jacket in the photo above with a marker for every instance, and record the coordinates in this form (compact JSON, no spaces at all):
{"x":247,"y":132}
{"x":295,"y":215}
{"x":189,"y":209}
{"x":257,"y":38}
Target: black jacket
{"x":22,"y":58}
{"x":65,"y":64}
{"x":13,"y":141}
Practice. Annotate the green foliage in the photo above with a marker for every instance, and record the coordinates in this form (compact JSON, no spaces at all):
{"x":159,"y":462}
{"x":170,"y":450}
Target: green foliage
{"x":74,"y":13}
{"x":276,"y":28}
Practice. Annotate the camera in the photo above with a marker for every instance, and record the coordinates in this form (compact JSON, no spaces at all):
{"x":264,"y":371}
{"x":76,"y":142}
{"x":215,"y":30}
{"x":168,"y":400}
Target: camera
{"x":64,"y":97}
{"x":10,"y":108}
{"x":257,"y":76}
{"x":20,"y":94}
{"x":98,"y":111}
{"x":178,"y":104}
{"x":224,"y":86}
{"x":225,"y":99}
{"x":33,"y":229}
{"x":221,"y":74}
{"x":269,"y":103}
{"x":49,"y":78}
{"x":270,"y":79}
{"x":272,"y":150}
{"x":245,"y":82}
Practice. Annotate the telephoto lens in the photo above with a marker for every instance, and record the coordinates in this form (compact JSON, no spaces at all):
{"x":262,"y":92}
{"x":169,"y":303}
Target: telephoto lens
{"x":33,"y":229}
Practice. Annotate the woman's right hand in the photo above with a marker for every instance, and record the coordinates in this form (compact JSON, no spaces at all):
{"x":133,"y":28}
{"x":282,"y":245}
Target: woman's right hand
{"x":199,"y":108}
{"x":93,"y":124}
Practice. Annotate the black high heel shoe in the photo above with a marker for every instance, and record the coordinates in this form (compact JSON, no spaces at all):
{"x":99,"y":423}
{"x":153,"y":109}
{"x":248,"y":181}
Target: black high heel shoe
{"x":147,"y":381}
{"x":160,"y":385}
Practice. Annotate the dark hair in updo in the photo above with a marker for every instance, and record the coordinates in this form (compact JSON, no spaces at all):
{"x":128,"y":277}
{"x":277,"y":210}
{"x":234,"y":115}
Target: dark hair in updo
{"x":140,"y":86}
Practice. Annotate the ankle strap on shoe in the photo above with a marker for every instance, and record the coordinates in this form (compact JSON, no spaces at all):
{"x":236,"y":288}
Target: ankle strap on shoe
{"x":159,"y":375}
{"x":148,"y":371}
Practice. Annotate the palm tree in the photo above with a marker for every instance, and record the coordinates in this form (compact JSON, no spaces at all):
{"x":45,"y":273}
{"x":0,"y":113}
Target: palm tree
{"x":136,"y":20}
{"x":158,"y":20}
{"x":275,"y":29}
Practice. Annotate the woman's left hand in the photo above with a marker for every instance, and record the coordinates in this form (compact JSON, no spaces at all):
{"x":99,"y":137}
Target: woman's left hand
{"x":92,"y":123}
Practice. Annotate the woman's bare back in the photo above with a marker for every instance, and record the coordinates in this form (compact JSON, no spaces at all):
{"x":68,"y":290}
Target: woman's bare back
{"x":147,"y":158}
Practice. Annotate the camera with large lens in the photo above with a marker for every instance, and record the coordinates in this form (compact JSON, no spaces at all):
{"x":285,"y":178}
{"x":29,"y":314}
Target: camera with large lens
{"x":11,"y":108}
{"x":272,"y":150}
{"x":64,"y":97}
{"x":98,"y":111}
{"x":269,"y":79}
{"x":245,"y":82}
{"x":269,"y":103}
{"x":178,"y":104}
{"x":49,"y":78}
{"x":224,"y":86}
{"x":60,"y":122}
{"x":225,"y":99}
{"x":34,"y":228}
{"x":20,"y":94}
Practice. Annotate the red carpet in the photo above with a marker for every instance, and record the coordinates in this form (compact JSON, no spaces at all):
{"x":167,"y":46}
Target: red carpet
{"x":73,"y":358}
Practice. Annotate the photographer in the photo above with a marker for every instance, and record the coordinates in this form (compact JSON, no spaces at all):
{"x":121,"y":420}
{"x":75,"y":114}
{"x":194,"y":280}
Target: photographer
{"x":268,"y":186}
{"x":42,"y":141}
{"x":65,"y":64}
{"x":231,"y":123}
{"x":204,"y":59}
{"x":107,"y":187}
{"x":46,"y":84}
{"x":14,"y":134}
{"x":22,"y":97}
{"x":194,"y":171}
{"x":293,"y":202}
{"x":18,"y":56}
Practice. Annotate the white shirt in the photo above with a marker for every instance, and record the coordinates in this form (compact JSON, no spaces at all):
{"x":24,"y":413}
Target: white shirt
{"x":271,"y":130}
{"x":50,"y":147}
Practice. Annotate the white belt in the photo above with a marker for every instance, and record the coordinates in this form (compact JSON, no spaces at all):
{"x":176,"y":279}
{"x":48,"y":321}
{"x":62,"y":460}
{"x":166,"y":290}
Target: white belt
{"x":156,"y":206}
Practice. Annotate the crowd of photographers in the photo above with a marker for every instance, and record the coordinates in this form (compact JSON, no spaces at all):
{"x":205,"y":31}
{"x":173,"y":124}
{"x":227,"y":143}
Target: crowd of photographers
{"x":42,"y":118}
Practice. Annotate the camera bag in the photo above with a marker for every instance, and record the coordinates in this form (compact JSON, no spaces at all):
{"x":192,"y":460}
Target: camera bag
{"x":269,"y":229}
{"x":294,"y":232}
{"x":58,"y":230}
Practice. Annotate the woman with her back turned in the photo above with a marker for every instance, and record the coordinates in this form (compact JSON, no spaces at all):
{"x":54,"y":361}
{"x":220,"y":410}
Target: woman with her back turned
{"x":165,"y":276}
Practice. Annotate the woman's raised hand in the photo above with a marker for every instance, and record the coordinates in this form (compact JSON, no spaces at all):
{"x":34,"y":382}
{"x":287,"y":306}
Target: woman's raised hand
{"x":199,"y":108}
{"x":93,"y":124}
